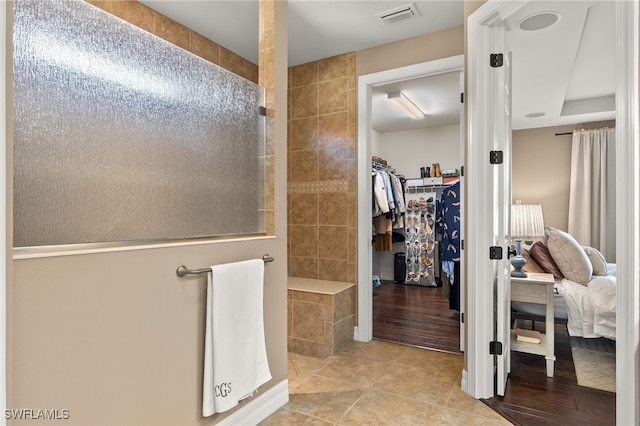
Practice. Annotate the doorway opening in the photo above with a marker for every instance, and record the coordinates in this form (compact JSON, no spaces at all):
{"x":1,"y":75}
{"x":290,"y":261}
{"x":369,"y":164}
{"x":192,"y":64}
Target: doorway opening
{"x":478,"y":377}
{"x":407,"y":300}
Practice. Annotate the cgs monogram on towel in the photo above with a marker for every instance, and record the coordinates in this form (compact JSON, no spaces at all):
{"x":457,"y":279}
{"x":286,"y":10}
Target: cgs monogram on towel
{"x":222,"y":389}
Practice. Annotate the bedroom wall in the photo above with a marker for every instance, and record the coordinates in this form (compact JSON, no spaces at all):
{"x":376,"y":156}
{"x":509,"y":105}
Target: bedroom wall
{"x":541,"y":169}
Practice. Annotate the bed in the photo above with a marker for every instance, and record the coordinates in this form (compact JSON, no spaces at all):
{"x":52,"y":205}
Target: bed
{"x":585,"y":287}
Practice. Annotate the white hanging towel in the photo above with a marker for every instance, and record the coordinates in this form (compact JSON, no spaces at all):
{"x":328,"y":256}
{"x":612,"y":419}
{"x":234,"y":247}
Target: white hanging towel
{"x":235,"y":355}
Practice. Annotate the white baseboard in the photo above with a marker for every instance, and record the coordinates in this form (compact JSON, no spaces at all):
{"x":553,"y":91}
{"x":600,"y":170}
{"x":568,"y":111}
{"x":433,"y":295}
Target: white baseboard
{"x":260,"y":407}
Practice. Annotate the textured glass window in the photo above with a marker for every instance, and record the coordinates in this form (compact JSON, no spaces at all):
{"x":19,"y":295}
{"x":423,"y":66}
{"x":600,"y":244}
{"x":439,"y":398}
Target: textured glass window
{"x":121,"y":136}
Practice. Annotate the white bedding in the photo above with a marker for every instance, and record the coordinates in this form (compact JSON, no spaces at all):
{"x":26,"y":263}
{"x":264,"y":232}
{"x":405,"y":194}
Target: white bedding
{"x":591,"y":309}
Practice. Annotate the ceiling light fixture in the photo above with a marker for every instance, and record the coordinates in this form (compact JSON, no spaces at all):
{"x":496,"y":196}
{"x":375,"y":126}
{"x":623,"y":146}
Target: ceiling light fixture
{"x":409,"y":107}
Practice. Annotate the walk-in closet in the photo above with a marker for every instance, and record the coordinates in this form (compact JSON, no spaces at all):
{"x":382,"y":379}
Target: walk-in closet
{"x":417,"y":216}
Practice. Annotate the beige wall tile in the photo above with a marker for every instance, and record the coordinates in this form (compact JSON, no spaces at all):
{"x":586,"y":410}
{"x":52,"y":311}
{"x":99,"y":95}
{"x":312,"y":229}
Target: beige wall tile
{"x":231,"y":61}
{"x":306,"y":347}
{"x":352,"y":177}
{"x":332,"y":164}
{"x":352,"y":215}
{"x":303,"y":267}
{"x":333,"y":208}
{"x":303,"y":209}
{"x":267,"y":60}
{"x":333,"y":270}
{"x":303,"y":134}
{"x":352,"y":273}
{"x":251,"y":72}
{"x":204,"y":48}
{"x":333,"y":96}
{"x":304,"y":166}
{"x":341,"y":305}
{"x":352,"y":245}
{"x":342,"y":334}
{"x":270,"y":181}
{"x":171,"y":31}
{"x":332,"y":242}
{"x":323,"y":120}
{"x":131,"y":11}
{"x":307,"y":321}
{"x":304,"y":75}
{"x":334,"y":67}
{"x":304,"y":240}
{"x":333,"y":130}
{"x":311,"y":297}
{"x":328,"y":338}
{"x":303,"y":101}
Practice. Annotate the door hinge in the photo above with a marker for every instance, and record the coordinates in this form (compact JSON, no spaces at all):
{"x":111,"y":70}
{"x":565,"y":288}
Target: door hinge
{"x":461,"y":244}
{"x":495,"y":348}
{"x":495,"y":252}
{"x":496,"y":60}
{"x":462,"y":97}
{"x":462,"y":317}
{"x":462,"y":171}
{"x":496,"y":157}
{"x":262,"y":111}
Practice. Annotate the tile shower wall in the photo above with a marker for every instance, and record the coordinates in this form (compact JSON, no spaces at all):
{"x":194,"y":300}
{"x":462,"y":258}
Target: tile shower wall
{"x":322,"y":169}
{"x":320,"y":324}
{"x":149,"y":20}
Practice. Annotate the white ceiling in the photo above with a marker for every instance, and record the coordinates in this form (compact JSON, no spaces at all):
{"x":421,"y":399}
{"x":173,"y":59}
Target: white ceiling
{"x":565,"y":71}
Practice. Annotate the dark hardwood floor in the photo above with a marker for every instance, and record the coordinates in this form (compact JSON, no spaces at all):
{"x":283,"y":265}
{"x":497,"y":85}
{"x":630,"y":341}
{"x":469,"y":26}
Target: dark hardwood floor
{"x":419,"y":316}
{"x":414,"y":315}
{"x":532,"y":398}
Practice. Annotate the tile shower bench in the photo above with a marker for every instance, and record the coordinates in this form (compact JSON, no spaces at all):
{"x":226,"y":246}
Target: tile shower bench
{"x":320,"y":317}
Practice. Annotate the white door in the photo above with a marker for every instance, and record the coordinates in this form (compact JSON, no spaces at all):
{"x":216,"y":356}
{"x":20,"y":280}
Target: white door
{"x":502,"y":203}
{"x":462,"y":210}
{"x":488,"y":202}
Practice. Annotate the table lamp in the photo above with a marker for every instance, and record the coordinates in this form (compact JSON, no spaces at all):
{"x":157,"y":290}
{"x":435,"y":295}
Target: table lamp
{"x":526,"y":221}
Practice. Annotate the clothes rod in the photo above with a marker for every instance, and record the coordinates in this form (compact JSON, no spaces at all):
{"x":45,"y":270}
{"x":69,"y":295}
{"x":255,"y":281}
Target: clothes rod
{"x":183,"y":270}
{"x":566,"y":133}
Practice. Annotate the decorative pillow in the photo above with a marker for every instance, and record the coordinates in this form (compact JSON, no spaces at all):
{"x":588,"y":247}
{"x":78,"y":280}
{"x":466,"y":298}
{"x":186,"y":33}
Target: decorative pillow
{"x":531,"y":265}
{"x":540,"y":254}
{"x":569,"y":256}
{"x":598,"y":262}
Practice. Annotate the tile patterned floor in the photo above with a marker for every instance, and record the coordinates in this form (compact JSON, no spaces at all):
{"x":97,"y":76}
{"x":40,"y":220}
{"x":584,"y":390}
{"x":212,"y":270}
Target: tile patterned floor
{"x":380,"y":383}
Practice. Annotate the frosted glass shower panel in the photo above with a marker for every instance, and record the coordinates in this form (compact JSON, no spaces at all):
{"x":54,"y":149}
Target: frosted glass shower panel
{"x":122,"y":136}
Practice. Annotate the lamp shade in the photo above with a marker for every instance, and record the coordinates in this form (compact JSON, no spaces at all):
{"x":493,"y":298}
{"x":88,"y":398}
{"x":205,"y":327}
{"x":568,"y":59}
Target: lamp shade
{"x":527,"y":220}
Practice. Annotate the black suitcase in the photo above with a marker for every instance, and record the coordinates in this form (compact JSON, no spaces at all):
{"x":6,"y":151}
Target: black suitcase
{"x":399,"y":267}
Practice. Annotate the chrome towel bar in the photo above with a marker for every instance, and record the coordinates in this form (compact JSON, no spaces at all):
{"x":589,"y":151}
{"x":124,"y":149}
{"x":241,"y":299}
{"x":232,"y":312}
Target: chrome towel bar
{"x":183,"y":270}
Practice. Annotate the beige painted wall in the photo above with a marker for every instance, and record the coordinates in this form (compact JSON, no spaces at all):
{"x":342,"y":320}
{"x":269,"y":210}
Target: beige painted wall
{"x":116,"y":337}
{"x":541,"y":169}
{"x":415,"y":50}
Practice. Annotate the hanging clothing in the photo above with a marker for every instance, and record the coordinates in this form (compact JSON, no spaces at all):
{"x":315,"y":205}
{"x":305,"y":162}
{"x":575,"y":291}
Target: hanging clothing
{"x":449,"y":228}
{"x":388,"y":208}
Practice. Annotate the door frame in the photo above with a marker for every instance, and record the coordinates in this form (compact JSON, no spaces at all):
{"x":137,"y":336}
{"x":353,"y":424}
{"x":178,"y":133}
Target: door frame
{"x":480,"y":321}
{"x":5,"y":235}
{"x":479,"y":326}
{"x":363,"y":331}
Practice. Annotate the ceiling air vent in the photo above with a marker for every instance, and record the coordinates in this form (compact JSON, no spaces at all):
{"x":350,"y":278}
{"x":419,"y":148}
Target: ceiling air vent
{"x":396,"y":14}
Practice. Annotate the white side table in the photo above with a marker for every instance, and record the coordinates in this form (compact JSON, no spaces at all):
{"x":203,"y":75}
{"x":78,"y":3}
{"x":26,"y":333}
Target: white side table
{"x":536,"y":288}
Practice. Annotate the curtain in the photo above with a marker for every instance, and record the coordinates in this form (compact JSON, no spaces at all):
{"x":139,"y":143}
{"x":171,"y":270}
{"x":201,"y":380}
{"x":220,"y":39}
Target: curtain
{"x":592,"y":196}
